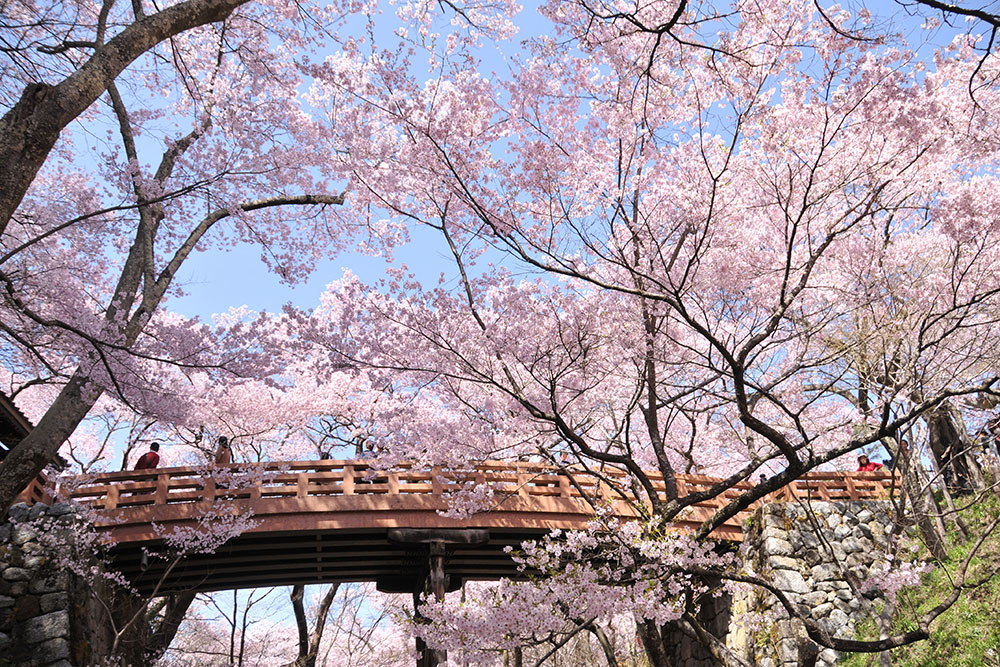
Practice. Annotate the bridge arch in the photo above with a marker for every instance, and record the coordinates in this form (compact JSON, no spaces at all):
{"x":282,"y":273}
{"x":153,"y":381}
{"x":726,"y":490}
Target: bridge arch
{"x":334,"y":521}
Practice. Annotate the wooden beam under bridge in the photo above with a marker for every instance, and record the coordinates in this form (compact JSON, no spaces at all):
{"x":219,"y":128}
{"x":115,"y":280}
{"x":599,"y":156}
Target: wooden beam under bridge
{"x":435,"y":582}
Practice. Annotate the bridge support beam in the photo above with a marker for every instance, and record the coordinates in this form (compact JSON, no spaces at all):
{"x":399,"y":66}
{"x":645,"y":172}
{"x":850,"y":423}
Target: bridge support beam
{"x":435,"y":584}
{"x":434,"y":581}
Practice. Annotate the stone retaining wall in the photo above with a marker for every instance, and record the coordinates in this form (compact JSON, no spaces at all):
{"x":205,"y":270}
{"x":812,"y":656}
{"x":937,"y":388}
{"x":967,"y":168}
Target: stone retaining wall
{"x":809,"y":552}
{"x":714,"y":615}
{"x":47,"y":617}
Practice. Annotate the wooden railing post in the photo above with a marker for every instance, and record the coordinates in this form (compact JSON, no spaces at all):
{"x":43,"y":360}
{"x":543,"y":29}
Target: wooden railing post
{"x":347,"y":481}
{"x":824,"y":490}
{"x":301,"y":485}
{"x":111,"y":498}
{"x":437,"y":488}
{"x":162,"y":489}
{"x":852,"y":488}
{"x":393,"y":483}
{"x":256,"y":491}
{"x":45,"y":489}
{"x":209,"y":491}
{"x":34,"y":492}
{"x":565,"y":488}
{"x":522,"y":483}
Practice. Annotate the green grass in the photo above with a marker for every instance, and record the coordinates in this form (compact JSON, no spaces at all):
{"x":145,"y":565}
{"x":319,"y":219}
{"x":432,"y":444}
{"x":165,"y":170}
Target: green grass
{"x":967,"y":634}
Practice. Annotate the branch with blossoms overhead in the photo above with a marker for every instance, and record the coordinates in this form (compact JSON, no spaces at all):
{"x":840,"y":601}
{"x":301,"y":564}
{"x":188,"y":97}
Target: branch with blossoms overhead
{"x":748,"y":262}
{"x":595,"y":574}
{"x":205,"y":141}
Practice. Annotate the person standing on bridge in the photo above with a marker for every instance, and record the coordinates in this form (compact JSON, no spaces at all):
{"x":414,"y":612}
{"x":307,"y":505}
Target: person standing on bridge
{"x":150,"y":459}
{"x":864,"y":465}
{"x":223,"y":452}
{"x":899,"y":459}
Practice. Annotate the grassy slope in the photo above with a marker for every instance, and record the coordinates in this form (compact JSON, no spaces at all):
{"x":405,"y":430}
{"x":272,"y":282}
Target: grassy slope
{"x":968,"y":634}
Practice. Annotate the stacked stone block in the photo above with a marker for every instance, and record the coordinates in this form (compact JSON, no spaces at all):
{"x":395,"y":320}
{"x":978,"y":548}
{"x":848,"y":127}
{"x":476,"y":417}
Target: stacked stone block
{"x":714,"y":614}
{"x":809,"y":551}
{"x":38,"y":595}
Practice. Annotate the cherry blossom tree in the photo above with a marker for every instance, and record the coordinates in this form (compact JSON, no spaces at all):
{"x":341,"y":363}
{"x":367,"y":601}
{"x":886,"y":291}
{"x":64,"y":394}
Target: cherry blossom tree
{"x":230,"y":628}
{"x":364,"y":629}
{"x":346,"y":626}
{"x":191,"y":133}
{"x":745,"y":243}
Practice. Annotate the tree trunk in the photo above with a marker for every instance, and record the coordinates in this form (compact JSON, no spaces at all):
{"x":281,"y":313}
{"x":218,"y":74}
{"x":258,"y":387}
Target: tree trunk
{"x":950,"y":448}
{"x":309,"y":642}
{"x":164,"y":633}
{"x":232,"y":629}
{"x":112,"y":638}
{"x":652,"y":644}
{"x":605,"y":643}
{"x":298,"y":607}
{"x":27,"y":459}
{"x":926,"y":511}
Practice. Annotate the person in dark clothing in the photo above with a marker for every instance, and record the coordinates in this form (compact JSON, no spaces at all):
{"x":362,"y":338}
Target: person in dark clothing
{"x":990,"y":438}
{"x":223,"y":453}
{"x":901,"y":455}
{"x":150,"y":459}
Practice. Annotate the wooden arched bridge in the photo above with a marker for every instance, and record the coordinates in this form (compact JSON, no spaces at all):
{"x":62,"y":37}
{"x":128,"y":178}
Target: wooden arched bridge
{"x":341,"y":521}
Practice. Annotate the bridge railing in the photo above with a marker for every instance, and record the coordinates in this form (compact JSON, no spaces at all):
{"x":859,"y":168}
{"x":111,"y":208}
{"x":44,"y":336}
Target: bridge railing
{"x":38,"y":491}
{"x":316,"y":479}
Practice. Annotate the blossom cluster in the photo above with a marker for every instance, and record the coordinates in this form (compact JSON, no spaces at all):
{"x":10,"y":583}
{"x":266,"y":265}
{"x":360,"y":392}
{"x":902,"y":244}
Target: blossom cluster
{"x":612,"y":568}
{"x":890,"y":576}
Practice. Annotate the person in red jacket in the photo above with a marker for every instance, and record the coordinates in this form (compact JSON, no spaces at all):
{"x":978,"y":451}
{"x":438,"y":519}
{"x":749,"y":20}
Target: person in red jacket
{"x":864,"y":465}
{"x":150,"y":459}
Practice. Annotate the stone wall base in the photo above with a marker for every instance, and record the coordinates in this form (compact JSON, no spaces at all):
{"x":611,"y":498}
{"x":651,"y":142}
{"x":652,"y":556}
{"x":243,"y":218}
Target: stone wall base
{"x":809,"y":551}
{"x":49,"y":617}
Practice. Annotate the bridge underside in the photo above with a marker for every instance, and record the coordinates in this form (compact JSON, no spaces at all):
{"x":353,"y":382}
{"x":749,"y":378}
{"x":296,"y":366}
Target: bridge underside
{"x":333,"y":556}
{"x":331,"y":521}
{"x":311,"y":540}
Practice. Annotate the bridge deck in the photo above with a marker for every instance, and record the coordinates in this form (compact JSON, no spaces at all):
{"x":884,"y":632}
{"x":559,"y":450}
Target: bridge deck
{"x":324,"y":521}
